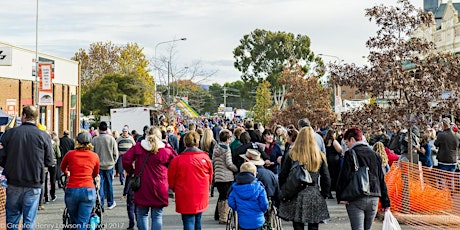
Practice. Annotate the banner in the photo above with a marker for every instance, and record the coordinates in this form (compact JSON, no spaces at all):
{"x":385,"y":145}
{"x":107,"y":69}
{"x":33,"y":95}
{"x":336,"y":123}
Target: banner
{"x":45,"y":91}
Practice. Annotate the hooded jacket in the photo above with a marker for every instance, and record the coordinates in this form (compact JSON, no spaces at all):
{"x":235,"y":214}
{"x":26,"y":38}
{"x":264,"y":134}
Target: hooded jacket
{"x":250,"y":201}
{"x":154,"y":180}
{"x":222,"y":162}
{"x":190,"y":176}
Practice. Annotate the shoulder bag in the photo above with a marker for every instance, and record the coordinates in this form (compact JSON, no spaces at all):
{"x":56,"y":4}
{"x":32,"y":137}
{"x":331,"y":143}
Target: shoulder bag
{"x":359,"y":183}
{"x":297,"y":180}
{"x":135,"y":183}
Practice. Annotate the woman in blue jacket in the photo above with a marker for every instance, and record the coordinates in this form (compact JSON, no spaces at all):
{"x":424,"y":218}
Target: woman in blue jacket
{"x":248,"y":198}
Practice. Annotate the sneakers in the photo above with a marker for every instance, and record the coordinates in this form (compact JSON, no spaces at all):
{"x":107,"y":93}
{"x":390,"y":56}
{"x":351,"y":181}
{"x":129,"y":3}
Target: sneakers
{"x":53,"y":199}
{"x":112,"y":206}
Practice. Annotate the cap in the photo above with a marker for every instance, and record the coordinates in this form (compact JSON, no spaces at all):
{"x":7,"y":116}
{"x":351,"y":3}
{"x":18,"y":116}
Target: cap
{"x":84,"y":138}
{"x":125,"y":129}
{"x":446,"y":121}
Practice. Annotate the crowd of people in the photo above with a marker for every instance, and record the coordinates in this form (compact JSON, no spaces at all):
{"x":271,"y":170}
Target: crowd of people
{"x":249,"y":165}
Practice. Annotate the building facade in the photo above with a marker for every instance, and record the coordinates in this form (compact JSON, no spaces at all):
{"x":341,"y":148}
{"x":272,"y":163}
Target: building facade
{"x":55,"y":91}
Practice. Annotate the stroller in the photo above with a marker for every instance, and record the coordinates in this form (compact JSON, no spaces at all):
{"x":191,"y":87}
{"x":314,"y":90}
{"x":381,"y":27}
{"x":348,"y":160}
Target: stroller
{"x":95,"y":220}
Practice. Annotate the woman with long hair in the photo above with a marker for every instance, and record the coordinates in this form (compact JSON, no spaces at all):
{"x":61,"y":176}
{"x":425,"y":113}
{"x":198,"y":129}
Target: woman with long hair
{"x":333,"y":153}
{"x":152,"y":195}
{"x":207,"y":141}
{"x":82,"y":166}
{"x":379,"y":148}
{"x":309,"y":205}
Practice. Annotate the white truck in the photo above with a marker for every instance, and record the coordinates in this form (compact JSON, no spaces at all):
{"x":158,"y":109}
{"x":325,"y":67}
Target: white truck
{"x":134,"y":117}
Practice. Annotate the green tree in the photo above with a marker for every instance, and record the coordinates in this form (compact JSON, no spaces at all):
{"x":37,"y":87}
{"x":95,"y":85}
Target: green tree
{"x":263,"y":54}
{"x":263,"y":103}
{"x":108,"y":93}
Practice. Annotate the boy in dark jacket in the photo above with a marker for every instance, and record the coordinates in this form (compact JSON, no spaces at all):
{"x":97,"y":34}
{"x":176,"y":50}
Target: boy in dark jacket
{"x":248,"y":198}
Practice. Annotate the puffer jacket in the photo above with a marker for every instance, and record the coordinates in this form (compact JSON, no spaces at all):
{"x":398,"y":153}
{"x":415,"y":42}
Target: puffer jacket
{"x":222,"y":163}
{"x":250,"y":201}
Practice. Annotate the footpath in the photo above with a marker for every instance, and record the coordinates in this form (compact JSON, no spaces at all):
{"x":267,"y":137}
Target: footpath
{"x":51,"y":217}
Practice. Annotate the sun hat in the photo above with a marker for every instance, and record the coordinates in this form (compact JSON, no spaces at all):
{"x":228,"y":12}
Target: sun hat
{"x":253,"y":156}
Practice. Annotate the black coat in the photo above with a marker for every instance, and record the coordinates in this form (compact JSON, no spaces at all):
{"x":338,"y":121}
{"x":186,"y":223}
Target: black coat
{"x":366,"y":157}
{"x":66,"y":144}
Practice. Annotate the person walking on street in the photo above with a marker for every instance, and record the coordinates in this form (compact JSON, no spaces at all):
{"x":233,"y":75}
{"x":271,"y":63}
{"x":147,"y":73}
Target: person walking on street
{"x":191,"y":171}
{"x":25,"y":154}
{"x":82,"y":166}
{"x":106,"y":148}
{"x":447,"y":143}
{"x":65,"y":144}
{"x":152,"y":195}
{"x":124,"y":142}
{"x":361,"y":210}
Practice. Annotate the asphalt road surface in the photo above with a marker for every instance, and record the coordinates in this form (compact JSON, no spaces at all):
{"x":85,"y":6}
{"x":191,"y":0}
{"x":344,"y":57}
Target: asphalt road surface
{"x":51,"y":217}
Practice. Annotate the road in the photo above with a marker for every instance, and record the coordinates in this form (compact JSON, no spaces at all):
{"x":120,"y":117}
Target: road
{"x":51,"y":217}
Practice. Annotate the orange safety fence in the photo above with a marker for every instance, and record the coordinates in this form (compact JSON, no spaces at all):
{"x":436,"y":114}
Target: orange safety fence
{"x":424,"y":197}
{"x":2,"y":207}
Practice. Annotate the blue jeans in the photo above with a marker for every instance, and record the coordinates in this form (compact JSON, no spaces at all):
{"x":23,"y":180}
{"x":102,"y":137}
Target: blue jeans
{"x":450,"y":168}
{"x":362,"y":212}
{"x":79,"y":203}
{"x":121,"y":171}
{"x":191,"y":221}
{"x":106,"y":189}
{"x":21,"y":201}
{"x":142,"y":216}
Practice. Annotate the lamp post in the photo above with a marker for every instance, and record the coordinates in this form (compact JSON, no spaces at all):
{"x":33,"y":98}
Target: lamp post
{"x":335,"y":87}
{"x":36,"y":57}
{"x":156,"y":62}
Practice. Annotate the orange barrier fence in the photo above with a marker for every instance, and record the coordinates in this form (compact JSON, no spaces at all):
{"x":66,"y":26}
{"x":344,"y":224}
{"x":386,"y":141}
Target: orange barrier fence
{"x":424,"y":197}
{"x":2,"y":207}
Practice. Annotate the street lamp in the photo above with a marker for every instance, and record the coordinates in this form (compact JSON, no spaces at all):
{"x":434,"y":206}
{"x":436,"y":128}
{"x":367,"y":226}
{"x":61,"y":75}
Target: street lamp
{"x":335,"y":87}
{"x":156,"y":62}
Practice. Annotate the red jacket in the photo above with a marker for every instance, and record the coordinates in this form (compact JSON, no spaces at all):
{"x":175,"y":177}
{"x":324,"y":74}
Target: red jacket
{"x":189,"y":176}
{"x":391,"y":156}
{"x":154,"y":182}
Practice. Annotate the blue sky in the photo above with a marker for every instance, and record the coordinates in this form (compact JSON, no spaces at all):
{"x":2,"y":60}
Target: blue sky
{"x":212,"y":28}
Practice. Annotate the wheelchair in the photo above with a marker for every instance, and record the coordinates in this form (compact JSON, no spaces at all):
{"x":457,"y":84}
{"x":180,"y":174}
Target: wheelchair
{"x":272,"y":221}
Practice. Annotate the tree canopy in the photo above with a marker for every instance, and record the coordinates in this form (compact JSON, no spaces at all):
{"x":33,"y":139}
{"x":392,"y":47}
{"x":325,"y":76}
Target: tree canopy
{"x":263,"y":54}
{"x":415,"y":80}
{"x":263,"y":103}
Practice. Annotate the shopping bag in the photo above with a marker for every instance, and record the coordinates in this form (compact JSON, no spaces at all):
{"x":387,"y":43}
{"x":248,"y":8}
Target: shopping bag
{"x":390,"y":222}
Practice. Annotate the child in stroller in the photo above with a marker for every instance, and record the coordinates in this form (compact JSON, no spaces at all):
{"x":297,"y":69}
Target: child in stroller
{"x":95,"y":220}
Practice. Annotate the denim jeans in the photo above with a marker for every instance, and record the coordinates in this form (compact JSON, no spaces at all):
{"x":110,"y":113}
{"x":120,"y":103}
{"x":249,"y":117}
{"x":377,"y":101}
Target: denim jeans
{"x":191,"y":221}
{"x":106,"y":189}
{"x":142,"y":216}
{"x":362,"y":212}
{"x":21,"y":201}
{"x":130,"y":207}
{"x":79,"y":203}
{"x":450,"y":168}
{"x":121,"y":171}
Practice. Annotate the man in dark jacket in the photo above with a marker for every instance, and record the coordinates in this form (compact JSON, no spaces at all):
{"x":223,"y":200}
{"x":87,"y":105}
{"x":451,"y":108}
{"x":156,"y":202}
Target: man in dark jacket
{"x":447,"y":143}
{"x":26,"y":152}
{"x":361,"y":210}
{"x":65,"y":144}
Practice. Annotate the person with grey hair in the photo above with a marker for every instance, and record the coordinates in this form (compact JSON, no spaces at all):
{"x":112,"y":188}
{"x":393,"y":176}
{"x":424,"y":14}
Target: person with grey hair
{"x":26,"y":152}
{"x":304,"y":122}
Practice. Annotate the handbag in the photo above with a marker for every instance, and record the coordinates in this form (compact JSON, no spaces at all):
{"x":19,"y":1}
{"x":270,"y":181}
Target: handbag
{"x":359,"y":183}
{"x":298,"y":179}
{"x":135,"y":183}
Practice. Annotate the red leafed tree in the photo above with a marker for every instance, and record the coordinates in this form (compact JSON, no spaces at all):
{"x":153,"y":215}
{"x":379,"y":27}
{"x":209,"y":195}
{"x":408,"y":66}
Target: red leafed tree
{"x":304,"y":97}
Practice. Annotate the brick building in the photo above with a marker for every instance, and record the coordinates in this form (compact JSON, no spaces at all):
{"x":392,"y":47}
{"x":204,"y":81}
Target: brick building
{"x":59,"y":104}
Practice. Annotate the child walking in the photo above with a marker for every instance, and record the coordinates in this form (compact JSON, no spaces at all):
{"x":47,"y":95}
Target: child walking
{"x":248,"y":198}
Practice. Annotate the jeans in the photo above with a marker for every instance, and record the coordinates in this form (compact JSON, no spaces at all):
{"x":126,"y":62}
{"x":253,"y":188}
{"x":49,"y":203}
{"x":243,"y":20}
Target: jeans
{"x":142,"y":216}
{"x":121,"y":171}
{"x":21,"y":201}
{"x":191,"y":221}
{"x":450,"y":168}
{"x":79,"y":203}
{"x":106,"y":189}
{"x":130,"y":207}
{"x":362,"y":212}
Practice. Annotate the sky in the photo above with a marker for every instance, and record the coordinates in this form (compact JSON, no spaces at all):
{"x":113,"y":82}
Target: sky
{"x":213,"y":28}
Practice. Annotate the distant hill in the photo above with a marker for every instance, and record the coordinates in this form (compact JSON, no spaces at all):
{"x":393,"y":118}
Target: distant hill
{"x":205,"y":87}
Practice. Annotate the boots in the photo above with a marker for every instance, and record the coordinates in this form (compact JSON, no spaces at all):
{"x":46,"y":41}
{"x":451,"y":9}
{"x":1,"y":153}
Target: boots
{"x":223,"y":211}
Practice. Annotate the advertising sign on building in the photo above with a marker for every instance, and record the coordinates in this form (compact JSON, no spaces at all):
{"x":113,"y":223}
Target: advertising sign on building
{"x":6,"y":56}
{"x":11,"y":107}
{"x":45,"y":91}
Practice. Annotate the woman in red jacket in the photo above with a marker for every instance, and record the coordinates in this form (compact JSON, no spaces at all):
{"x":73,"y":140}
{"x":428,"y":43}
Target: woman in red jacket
{"x":189,"y":176}
{"x":82,"y":164}
{"x":152,"y":195}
